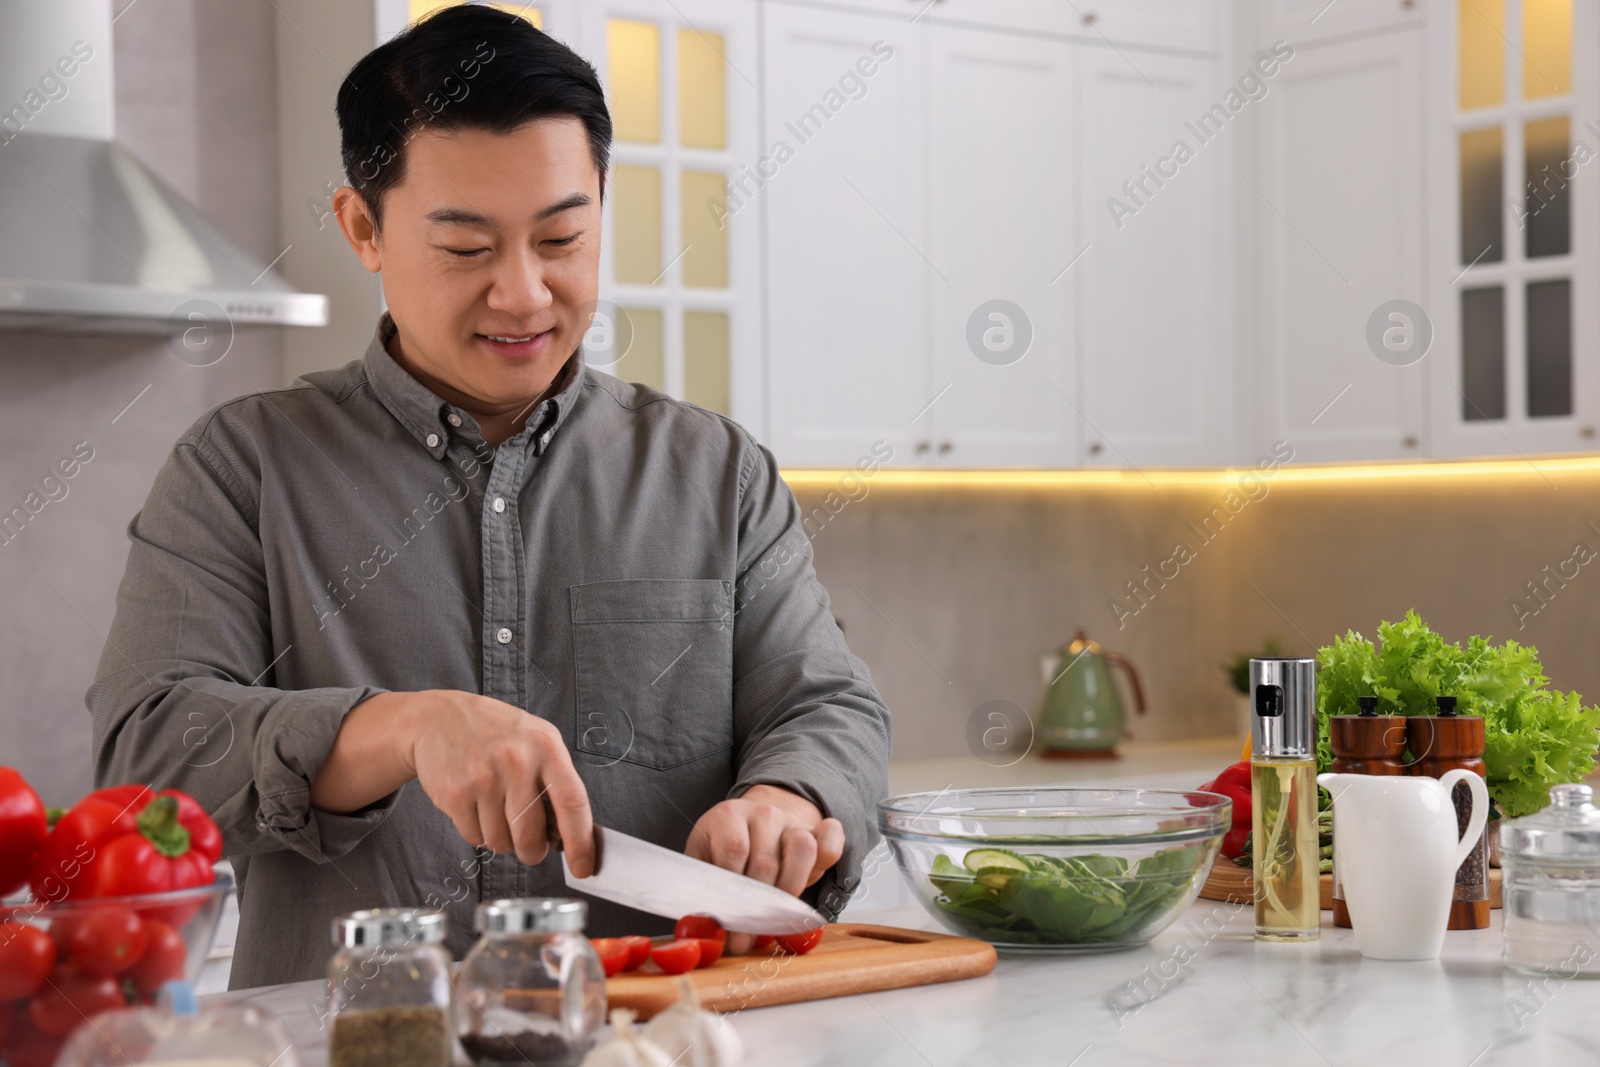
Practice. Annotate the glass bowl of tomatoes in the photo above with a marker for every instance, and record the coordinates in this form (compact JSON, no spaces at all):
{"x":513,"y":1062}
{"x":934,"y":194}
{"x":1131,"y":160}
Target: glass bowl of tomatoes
{"x":62,"y":962}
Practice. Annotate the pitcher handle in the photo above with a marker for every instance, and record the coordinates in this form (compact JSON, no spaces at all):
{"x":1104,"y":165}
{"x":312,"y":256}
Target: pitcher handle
{"x":1480,"y":808}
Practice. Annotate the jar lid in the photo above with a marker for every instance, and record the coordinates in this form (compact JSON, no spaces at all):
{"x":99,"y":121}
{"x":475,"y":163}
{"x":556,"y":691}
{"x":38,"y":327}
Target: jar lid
{"x":540,"y":915}
{"x":1569,"y":829}
{"x":389,"y":926}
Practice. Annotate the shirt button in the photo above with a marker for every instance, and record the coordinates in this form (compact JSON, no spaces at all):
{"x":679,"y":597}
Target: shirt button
{"x":433,"y":440}
{"x":503,"y":635}
{"x":499,"y":503}
{"x":453,"y":419}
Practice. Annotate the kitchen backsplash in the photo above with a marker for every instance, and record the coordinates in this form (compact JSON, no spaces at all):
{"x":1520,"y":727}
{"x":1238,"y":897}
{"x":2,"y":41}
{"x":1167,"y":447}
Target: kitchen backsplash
{"x":952,"y":595}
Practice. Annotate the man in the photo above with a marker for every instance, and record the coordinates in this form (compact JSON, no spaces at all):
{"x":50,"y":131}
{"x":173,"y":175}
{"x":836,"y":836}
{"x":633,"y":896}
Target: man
{"x":375,"y":620}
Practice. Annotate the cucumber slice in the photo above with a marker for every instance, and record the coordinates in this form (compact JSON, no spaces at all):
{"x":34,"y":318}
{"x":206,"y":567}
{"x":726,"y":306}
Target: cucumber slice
{"x":996,"y":861}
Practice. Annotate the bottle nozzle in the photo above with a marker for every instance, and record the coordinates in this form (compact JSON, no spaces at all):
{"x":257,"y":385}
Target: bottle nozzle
{"x":1368,"y":706}
{"x":1447,"y":706}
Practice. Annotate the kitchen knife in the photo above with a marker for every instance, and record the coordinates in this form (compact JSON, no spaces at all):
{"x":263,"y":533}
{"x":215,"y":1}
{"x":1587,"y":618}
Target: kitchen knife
{"x":657,"y":880}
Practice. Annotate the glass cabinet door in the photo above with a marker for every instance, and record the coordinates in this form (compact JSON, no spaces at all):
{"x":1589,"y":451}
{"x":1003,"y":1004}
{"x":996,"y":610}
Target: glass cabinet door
{"x":666,"y":268}
{"x":1522,"y":241}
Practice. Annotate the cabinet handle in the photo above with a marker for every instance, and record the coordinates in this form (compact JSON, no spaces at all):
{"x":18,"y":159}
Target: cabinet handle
{"x":1095,"y":448}
{"x":1409,"y":440}
{"x":945,"y":446}
{"x":923,"y":446}
{"x":1586,"y":431}
{"x":1090,"y":18}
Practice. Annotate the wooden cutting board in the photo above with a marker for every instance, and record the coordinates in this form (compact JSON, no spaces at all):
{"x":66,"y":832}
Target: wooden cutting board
{"x":851,"y":958}
{"x":1232,"y":883}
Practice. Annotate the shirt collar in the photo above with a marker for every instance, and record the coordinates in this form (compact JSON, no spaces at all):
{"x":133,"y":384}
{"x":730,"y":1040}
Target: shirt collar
{"x":427,"y":416}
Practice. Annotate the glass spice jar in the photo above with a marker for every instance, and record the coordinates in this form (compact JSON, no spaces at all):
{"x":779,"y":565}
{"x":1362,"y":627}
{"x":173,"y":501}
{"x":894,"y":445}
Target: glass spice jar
{"x":1551,"y":871}
{"x":389,"y":989}
{"x":531,"y":991}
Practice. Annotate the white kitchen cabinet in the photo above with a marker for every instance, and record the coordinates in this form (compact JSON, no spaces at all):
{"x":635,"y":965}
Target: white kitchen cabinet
{"x":1188,"y":25}
{"x":847,"y":234}
{"x":1515,"y":232}
{"x":1157,"y":387}
{"x":1176,"y":24}
{"x":1337,"y":205}
{"x":950,"y":323}
{"x":1304,"y":21}
{"x":1002,"y":196}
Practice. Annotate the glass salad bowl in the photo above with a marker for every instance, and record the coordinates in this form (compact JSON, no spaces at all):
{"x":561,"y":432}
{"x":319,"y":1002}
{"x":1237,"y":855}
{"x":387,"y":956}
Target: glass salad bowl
{"x":1066,"y":869}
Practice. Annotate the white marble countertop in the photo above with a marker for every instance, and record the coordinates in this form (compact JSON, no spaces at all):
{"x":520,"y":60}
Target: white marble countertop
{"x":1202,"y":991}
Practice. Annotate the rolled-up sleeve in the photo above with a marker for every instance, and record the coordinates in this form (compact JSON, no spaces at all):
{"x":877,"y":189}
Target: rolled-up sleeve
{"x":178,"y":700}
{"x":806,"y":715}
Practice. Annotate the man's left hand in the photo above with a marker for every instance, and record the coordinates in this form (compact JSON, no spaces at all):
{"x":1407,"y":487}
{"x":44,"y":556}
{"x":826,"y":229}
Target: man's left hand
{"x":771,"y":835}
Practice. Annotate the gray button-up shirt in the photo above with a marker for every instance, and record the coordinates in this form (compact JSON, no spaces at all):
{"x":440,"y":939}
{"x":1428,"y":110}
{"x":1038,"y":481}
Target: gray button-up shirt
{"x":629,"y":567}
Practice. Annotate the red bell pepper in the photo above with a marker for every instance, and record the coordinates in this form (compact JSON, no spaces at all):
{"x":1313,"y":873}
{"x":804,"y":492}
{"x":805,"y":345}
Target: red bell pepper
{"x":60,"y":867}
{"x":126,"y":840}
{"x":23,"y":828}
{"x":1234,"y":783}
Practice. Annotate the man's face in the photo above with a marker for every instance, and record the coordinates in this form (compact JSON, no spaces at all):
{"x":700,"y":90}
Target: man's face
{"x":490,"y":253}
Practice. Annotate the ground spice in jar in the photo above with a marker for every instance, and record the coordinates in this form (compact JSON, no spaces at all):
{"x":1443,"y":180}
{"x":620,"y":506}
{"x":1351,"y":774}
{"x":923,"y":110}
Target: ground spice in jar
{"x":383,"y":1037}
{"x":522,"y":1048}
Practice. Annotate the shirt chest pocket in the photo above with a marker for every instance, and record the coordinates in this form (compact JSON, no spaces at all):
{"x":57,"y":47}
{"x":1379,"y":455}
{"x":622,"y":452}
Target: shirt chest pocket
{"x":654,"y":662}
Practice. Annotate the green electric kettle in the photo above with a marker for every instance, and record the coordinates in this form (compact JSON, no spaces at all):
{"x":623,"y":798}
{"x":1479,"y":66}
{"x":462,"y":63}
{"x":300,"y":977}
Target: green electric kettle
{"x":1082,"y":716}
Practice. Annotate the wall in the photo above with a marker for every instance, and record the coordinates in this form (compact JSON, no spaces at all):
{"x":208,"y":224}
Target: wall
{"x":194,"y":101}
{"x":951,"y":595}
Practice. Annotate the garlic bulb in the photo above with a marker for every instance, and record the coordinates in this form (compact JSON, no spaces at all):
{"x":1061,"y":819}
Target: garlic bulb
{"x":693,"y":1037}
{"x":626,"y":1047}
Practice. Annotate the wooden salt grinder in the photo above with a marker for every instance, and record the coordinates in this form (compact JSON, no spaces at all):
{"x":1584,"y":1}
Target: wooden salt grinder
{"x":1365,"y":743}
{"x":1441,"y":743}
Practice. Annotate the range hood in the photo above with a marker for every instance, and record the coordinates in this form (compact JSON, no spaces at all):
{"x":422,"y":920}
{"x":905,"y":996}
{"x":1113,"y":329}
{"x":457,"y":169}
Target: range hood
{"x":90,"y":239}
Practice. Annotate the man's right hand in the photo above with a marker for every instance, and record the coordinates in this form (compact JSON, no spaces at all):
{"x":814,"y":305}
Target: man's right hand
{"x":486,"y":764}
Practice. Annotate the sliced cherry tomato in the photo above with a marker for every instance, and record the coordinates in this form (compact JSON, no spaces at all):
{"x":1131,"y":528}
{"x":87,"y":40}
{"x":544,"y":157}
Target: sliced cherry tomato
{"x":165,"y":958}
{"x":710,"y":950}
{"x":26,"y":956}
{"x":764,"y":943}
{"x":613,"y":953}
{"x":698,"y":928}
{"x":108,"y":941}
{"x":799,"y":944}
{"x":71,"y":996}
{"x":638,"y":951}
{"x":676,"y":957}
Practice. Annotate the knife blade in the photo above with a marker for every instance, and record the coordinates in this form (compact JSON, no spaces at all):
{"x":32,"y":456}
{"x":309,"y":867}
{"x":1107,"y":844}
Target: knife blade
{"x":649,"y":878}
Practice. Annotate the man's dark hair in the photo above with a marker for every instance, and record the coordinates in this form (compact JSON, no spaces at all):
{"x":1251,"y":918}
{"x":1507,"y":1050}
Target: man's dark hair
{"x":465,"y":67}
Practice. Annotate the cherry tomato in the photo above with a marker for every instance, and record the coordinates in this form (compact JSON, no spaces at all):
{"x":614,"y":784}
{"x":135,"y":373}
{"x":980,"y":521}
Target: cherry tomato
{"x":676,"y":957}
{"x":613,"y":953}
{"x":70,"y":997}
{"x":108,"y":941}
{"x":7,"y":1014}
{"x":167,"y":957}
{"x":799,"y":944}
{"x":29,"y":1046}
{"x":710,"y":950}
{"x":638,"y":951}
{"x":764,"y":943}
{"x":26,"y":956}
{"x":698,"y":927}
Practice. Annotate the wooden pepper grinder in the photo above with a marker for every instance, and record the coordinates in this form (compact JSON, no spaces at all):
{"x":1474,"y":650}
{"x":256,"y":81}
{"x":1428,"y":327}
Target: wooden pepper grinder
{"x":1364,"y":743}
{"x":1442,"y":743}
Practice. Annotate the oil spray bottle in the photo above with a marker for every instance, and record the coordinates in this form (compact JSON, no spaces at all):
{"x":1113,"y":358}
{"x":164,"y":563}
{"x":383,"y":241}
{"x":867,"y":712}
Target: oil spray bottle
{"x":1283,"y":779}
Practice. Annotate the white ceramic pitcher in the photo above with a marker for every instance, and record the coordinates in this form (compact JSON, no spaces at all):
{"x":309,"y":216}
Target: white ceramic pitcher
{"x":1396,"y":849}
